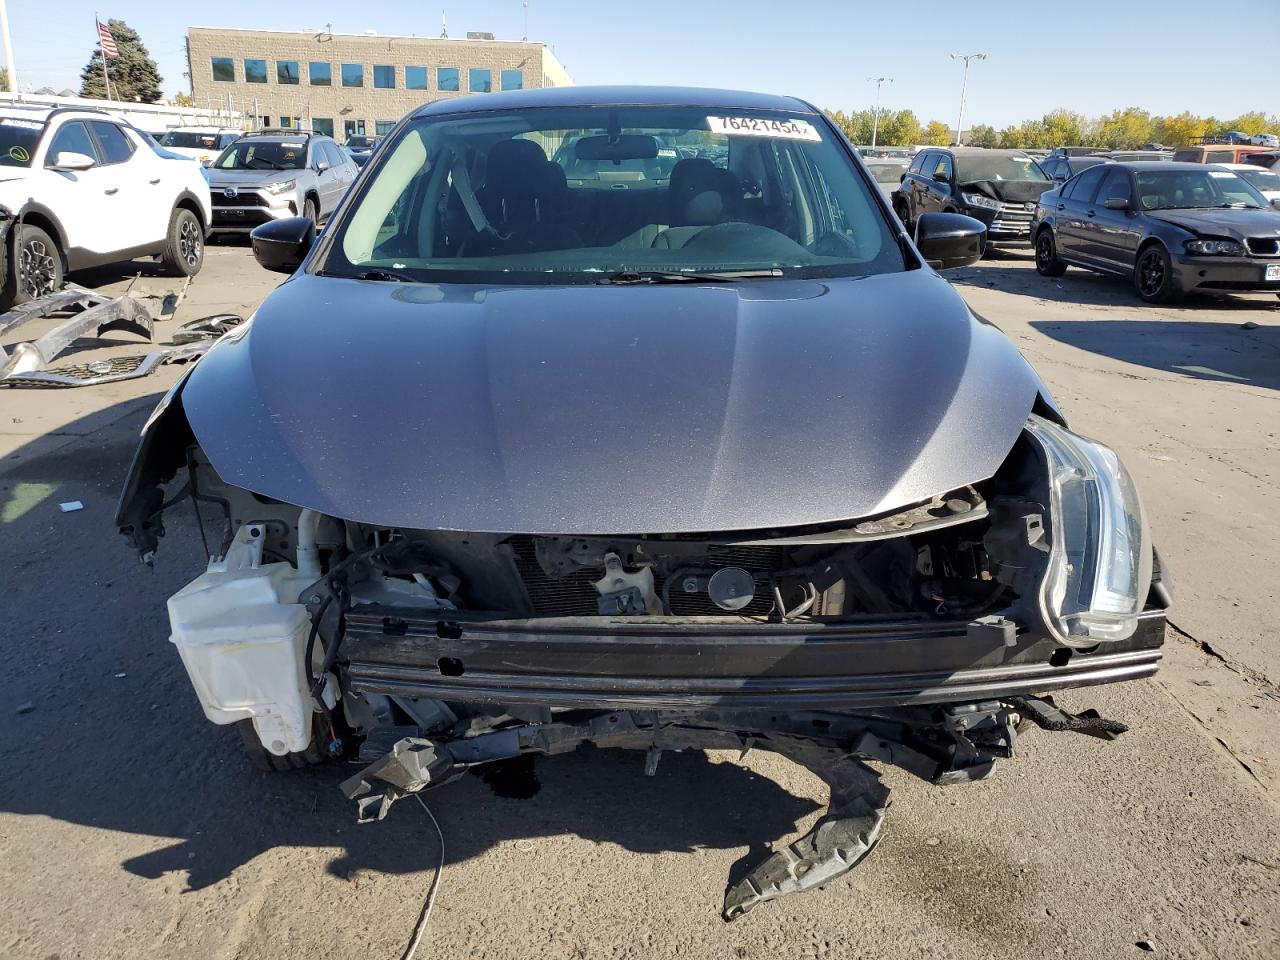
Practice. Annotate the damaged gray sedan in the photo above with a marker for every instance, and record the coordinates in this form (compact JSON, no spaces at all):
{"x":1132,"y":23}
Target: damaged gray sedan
{"x":632,"y":417}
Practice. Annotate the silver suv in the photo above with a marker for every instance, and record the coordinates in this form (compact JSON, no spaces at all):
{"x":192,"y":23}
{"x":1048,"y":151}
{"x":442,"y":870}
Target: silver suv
{"x":274,"y":174}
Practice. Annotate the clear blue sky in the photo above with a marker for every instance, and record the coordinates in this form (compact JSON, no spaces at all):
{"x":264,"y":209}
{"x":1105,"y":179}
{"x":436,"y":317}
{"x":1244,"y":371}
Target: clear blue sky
{"x":1127,"y":54}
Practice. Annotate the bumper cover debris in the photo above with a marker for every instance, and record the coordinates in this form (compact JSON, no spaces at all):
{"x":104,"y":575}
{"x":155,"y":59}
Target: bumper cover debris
{"x":957,"y":744}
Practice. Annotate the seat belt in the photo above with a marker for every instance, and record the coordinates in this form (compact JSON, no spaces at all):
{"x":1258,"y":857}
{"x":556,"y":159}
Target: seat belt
{"x":470,"y":203}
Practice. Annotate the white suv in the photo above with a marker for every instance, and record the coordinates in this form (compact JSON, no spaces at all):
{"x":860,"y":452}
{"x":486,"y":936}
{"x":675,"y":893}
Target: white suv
{"x":83,"y":188}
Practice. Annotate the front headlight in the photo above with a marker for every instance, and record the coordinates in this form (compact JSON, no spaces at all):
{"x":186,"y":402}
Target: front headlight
{"x":1100,"y":555}
{"x":979,"y":200}
{"x":283,"y":187}
{"x":1222,"y":248}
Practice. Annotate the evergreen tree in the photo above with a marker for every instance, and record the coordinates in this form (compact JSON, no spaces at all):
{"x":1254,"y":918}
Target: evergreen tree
{"x":134,"y":75}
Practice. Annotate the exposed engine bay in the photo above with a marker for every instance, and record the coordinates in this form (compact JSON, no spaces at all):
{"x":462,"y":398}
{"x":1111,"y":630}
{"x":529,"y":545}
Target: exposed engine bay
{"x":921,"y":638}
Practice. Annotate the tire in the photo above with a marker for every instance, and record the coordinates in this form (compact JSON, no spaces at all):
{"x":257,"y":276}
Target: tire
{"x":35,"y":269}
{"x":311,"y":211}
{"x":183,"y":254}
{"x":1047,"y":262}
{"x":316,"y":753}
{"x":1153,"y":275}
{"x":904,"y":215}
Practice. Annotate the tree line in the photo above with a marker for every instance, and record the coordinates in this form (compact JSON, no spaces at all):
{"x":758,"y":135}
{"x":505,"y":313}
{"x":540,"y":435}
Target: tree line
{"x":1127,"y":129}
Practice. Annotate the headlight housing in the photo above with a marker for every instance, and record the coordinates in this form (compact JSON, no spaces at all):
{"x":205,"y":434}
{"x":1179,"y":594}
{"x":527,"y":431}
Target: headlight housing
{"x":1100,"y":554}
{"x":979,"y":200}
{"x":1219,"y":248}
{"x":282,"y":187}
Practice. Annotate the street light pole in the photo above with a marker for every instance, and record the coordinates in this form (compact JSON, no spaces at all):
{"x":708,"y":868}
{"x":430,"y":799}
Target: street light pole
{"x":964,"y":86}
{"x":875,"y":117}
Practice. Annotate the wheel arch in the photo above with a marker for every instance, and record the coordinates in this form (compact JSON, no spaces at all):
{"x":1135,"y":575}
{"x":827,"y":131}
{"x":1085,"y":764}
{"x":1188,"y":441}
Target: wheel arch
{"x":189,"y":201}
{"x":38,"y":215}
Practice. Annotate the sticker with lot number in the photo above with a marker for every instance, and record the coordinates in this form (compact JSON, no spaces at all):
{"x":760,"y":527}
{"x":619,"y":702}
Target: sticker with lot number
{"x":764,"y":127}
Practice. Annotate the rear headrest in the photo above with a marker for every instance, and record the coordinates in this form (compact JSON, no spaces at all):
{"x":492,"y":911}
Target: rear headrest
{"x":702,"y":193}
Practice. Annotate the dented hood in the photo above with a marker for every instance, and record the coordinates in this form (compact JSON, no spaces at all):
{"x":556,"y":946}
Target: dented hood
{"x":1010,"y":191}
{"x":609,"y":409}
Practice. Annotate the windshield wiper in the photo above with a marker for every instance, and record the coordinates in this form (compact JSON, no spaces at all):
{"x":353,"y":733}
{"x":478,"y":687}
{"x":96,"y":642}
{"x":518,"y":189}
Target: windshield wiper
{"x":380,"y":274}
{"x":692,"y":276}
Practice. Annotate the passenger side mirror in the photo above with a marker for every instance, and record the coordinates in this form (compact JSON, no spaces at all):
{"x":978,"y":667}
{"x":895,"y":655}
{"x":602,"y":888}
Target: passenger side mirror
{"x":941,"y":178}
{"x":1116,"y":203}
{"x":1276,"y":203}
{"x":322,"y":166}
{"x":282,"y":245}
{"x":69,"y":160}
{"x":950,"y":240}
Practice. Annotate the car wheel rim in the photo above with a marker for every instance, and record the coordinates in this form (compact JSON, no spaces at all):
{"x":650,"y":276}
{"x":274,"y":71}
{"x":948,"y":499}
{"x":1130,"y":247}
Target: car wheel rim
{"x":36,"y":269}
{"x":189,"y":242}
{"x":1151,"y":275}
{"x":1043,"y":253}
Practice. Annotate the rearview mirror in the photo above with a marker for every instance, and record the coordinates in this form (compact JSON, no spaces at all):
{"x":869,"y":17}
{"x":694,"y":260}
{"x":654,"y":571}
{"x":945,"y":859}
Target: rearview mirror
{"x":1116,"y":203}
{"x":282,"y":245}
{"x":69,"y":160}
{"x":628,"y":146}
{"x":950,"y":240}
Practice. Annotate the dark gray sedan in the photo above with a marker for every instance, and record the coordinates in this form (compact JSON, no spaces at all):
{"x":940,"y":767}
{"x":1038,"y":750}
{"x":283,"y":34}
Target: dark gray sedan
{"x":1174,"y":228}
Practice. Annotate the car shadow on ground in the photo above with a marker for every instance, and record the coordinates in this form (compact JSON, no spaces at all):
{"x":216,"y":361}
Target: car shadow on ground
{"x":1225,"y":352}
{"x":1087,"y":288}
{"x":103,"y":730}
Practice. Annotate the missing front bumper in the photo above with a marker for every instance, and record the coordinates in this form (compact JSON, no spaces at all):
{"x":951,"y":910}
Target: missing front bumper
{"x":959,"y":744}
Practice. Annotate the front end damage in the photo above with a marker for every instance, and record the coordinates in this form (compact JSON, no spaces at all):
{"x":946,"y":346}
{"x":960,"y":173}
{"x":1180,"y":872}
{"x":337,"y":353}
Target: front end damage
{"x":923,"y":637}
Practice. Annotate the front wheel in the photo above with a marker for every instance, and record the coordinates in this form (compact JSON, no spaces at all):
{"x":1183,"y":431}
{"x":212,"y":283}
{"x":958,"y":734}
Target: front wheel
{"x":35,"y":270}
{"x":183,"y":254}
{"x":1153,"y":275}
{"x":1047,"y":262}
{"x":311,"y":211}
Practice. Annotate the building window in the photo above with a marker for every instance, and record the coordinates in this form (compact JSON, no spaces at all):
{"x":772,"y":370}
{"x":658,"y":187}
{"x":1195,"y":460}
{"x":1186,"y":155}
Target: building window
{"x":383,"y":127}
{"x":322,"y":126}
{"x":224,"y":69}
{"x":287,"y":123}
{"x":479,"y":80}
{"x":255,"y":71}
{"x":512,"y":80}
{"x":415,"y":78}
{"x":384,"y":77}
{"x":321,"y":74}
{"x":287,"y":72}
{"x":353,"y":75}
{"x":352,"y":128}
{"x":447,"y":78}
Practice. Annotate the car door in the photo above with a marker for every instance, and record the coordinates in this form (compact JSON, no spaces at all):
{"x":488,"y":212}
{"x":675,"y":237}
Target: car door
{"x":1113,"y":235}
{"x":326,"y":177}
{"x":140,"y":186}
{"x":911,"y":184}
{"x":343,"y":167}
{"x":940,"y":184}
{"x":1074,"y":199}
{"x":85,"y":202}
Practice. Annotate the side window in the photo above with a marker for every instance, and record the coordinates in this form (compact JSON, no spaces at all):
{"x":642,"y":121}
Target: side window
{"x":1116,"y":186}
{"x":116,"y":145}
{"x":1083,"y":187}
{"x":942,"y":169}
{"x":917,"y":162}
{"x":1220,"y":156}
{"x":72,"y":137}
{"x":335,"y":156}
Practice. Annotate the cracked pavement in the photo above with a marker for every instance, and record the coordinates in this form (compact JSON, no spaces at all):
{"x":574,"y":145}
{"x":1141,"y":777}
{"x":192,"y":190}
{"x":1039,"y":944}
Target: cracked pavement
{"x":131,"y":828}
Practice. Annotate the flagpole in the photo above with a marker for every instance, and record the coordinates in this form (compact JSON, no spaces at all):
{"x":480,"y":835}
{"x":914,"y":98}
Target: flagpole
{"x":102,"y":53}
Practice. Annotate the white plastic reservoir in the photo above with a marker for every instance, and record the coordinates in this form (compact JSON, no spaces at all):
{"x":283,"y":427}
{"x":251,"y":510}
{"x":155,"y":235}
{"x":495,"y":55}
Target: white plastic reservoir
{"x":242,"y":640}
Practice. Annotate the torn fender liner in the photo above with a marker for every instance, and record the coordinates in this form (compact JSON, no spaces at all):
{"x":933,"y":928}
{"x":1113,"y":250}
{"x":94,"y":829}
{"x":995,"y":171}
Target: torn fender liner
{"x":834,"y":746}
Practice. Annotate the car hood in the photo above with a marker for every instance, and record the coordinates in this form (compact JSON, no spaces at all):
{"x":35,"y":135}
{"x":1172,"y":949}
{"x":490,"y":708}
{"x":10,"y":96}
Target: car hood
{"x":1010,"y":191}
{"x":250,"y":178}
{"x":1236,"y":224}
{"x":607,"y":409}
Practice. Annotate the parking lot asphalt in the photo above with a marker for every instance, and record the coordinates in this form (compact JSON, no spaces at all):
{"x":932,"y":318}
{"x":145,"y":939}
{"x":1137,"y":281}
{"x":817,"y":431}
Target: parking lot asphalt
{"x":130,"y":827}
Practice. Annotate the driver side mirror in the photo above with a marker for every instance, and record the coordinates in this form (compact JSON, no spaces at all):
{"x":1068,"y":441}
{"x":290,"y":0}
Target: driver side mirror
{"x":322,"y":166}
{"x":950,"y":240}
{"x":1276,"y":203}
{"x":282,"y":245}
{"x":1116,"y":203}
{"x":941,"y":178}
{"x":69,"y":160}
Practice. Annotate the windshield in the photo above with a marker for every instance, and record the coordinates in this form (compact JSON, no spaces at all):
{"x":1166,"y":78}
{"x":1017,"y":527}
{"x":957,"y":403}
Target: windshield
{"x":574,"y":195}
{"x":263,"y":155}
{"x":359,"y":143}
{"x":1261,"y":180}
{"x":887,"y":172}
{"x":18,"y":140}
{"x":190,"y":140}
{"x":970,"y":169}
{"x":1191,"y":189}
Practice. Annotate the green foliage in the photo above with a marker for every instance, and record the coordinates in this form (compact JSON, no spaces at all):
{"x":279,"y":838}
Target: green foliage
{"x":935,"y":134}
{"x":4,"y":79}
{"x":897,"y":128}
{"x":134,"y":75}
{"x":981,"y":135}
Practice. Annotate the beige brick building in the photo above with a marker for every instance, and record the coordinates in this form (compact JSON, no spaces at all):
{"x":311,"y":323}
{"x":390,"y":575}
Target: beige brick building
{"x":348,"y":84}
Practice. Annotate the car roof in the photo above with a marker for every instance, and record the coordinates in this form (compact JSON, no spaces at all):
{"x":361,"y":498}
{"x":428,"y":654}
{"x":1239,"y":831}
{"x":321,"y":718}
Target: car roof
{"x":598,"y":96}
{"x":1146,"y":166}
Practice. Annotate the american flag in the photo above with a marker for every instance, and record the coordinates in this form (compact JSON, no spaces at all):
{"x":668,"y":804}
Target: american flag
{"x":107,"y":41}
